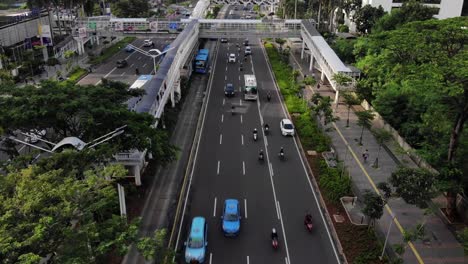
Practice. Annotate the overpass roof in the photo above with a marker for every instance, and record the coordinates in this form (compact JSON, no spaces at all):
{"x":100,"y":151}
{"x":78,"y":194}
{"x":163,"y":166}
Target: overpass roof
{"x":330,"y":56}
{"x":152,"y":88}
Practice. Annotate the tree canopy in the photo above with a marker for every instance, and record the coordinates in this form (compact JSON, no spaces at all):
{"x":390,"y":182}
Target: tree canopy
{"x":366,"y":17}
{"x":131,"y":8}
{"x":73,"y":220}
{"x":86,"y":112}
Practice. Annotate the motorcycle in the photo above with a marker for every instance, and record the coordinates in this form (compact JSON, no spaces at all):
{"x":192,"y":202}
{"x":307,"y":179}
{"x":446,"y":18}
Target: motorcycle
{"x":260,"y":157}
{"x":267,"y":129}
{"x":281,"y":155}
{"x":309,"y":226}
{"x":255,"y":136}
{"x":275,"y":243}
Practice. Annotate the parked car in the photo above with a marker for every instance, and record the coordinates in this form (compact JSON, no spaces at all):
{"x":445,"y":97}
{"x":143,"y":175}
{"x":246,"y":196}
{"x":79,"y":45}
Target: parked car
{"x":229,"y":90}
{"x":195,"y":246}
{"x":287,"y":127}
{"x":231,"y":217}
{"x":122,"y":63}
{"x":148,"y":43}
{"x":232,"y":58}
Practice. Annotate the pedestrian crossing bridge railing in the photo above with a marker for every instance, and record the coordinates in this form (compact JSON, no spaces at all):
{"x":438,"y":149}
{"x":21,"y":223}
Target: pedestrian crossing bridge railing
{"x":267,"y":28}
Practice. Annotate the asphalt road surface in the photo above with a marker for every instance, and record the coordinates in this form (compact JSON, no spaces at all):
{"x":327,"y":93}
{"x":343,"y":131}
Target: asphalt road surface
{"x":135,"y":60}
{"x":273,"y":193}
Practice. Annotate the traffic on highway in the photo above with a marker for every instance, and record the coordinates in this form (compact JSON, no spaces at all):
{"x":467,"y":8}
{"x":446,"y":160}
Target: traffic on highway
{"x":250,"y":198}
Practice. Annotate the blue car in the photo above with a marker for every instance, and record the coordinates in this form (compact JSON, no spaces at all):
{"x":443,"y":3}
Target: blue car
{"x":129,"y":48}
{"x":195,"y":247}
{"x":231,"y":217}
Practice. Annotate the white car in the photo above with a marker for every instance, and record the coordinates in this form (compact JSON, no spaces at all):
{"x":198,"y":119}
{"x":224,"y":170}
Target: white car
{"x":148,"y":43}
{"x":232,"y":58}
{"x":287,"y":127}
{"x":248,"y":50}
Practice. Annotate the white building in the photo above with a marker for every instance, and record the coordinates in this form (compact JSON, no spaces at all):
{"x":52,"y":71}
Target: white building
{"x":446,"y":8}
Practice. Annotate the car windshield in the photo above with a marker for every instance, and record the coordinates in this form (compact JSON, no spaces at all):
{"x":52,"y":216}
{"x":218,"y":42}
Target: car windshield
{"x":195,"y":243}
{"x":229,"y":87}
{"x":231,"y":217}
{"x":288,"y":126}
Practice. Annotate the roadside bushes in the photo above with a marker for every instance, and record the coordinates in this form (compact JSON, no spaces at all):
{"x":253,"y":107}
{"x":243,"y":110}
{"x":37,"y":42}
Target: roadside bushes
{"x":310,"y":134}
{"x":333,"y":184}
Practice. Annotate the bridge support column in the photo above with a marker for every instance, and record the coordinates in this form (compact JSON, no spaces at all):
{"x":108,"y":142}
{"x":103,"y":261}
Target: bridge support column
{"x":337,"y":96}
{"x":322,"y":76}
{"x":137,"y":176}
{"x":311,"y":66}
{"x":302,"y":50}
{"x":80,"y":47}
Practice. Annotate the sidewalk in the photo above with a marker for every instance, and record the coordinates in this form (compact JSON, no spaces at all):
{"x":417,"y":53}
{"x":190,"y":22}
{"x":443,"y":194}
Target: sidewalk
{"x":81,"y":61}
{"x":441,"y":245}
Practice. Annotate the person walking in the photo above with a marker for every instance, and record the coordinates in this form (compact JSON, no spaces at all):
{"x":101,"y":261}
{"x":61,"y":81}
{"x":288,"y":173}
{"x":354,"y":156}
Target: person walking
{"x":365,"y":155}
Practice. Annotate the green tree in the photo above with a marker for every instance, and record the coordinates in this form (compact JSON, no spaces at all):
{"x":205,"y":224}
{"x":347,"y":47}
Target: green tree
{"x":409,"y":12}
{"x":350,"y":99}
{"x":416,"y":186}
{"x":323,"y":109}
{"x":344,"y":48}
{"x":154,"y":248}
{"x":364,"y":121}
{"x":366,"y":17}
{"x":87,"y":112}
{"x":131,"y":8}
{"x":75,"y":220}
{"x":382,"y":136}
{"x":373,"y":206}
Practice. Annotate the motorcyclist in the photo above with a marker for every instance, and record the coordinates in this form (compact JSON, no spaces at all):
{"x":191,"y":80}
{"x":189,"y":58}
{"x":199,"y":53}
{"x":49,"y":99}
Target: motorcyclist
{"x":267,"y":127}
{"x":281,"y":151}
{"x":268,"y":96}
{"x":274,"y":235}
{"x":260,"y":154}
{"x":255,"y":132}
{"x":137,"y":72}
{"x":307,"y":219}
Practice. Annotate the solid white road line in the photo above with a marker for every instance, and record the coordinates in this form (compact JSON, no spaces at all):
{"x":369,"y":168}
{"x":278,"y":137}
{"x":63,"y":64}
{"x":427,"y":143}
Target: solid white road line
{"x":245,"y":208}
{"x":214,"y":207}
{"x":211,"y":257}
{"x":286,"y":260}
{"x":248,"y":260}
{"x":217,"y":171}
{"x":271,"y":168}
{"x":278,"y":213}
{"x":242,"y":139}
{"x":221,"y":139}
{"x":243,"y":167}
{"x":222,"y":118}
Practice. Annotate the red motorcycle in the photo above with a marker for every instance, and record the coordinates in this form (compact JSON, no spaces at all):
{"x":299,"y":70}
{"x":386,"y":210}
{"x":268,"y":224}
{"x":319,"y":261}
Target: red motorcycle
{"x":275,"y":243}
{"x":308,"y":222}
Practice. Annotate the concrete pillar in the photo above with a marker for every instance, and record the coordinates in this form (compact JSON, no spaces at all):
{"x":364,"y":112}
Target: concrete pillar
{"x":178,"y":91}
{"x":337,"y":96}
{"x":322,"y":76}
{"x":97,"y":39}
{"x":137,"y":175}
{"x":311,"y":66}
{"x":302,"y":50}
{"x":172,"y":99}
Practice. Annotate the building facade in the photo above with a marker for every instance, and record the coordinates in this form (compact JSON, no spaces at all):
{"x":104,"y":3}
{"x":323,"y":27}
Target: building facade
{"x":446,"y":8}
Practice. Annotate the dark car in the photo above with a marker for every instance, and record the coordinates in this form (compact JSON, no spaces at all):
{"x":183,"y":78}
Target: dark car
{"x":229,"y":90}
{"x":121,"y":63}
{"x":246,"y":42}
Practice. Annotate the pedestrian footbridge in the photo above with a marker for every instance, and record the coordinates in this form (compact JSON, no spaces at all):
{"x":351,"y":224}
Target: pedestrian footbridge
{"x":165,"y":85}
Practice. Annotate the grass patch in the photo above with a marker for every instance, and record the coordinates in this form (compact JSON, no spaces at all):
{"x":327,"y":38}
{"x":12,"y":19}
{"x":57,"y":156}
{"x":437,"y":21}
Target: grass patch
{"x":76,"y":74}
{"x":110,"y":51}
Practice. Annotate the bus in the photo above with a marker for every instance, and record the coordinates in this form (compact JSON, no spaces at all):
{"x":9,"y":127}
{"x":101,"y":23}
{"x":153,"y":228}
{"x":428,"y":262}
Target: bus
{"x":201,"y":61}
{"x":250,"y":88}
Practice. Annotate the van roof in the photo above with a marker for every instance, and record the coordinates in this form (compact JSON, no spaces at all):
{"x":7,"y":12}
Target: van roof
{"x":198,"y":223}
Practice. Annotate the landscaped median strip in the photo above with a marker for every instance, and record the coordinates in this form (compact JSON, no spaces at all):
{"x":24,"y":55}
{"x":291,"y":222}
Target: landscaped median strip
{"x":111,"y":50}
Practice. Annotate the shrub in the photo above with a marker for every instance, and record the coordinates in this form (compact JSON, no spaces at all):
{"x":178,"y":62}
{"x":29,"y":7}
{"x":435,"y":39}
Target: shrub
{"x":280,"y":41}
{"x":343,"y":28}
{"x":310,"y":134}
{"x":463,"y":237}
{"x":333,"y":185}
{"x":53,"y":61}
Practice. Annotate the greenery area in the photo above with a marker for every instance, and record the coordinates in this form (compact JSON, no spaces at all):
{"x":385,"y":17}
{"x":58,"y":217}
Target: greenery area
{"x":112,"y":50}
{"x":333,"y":183}
{"x":214,"y":12}
{"x":65,"y":205}
{"x":131,"y":8}
{"x":76,"y":74}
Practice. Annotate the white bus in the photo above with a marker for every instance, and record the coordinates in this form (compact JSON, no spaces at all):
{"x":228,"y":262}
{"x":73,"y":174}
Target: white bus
{"x":250,"y":88}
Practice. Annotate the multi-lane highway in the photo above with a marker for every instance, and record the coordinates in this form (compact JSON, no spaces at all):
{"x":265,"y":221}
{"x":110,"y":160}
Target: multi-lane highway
{"x":135,"y":60}
{"x":274,"y":193}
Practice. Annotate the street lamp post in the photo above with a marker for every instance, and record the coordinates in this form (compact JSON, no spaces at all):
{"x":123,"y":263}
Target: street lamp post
{"x":388,"y":233}
{"x":153,"y":53}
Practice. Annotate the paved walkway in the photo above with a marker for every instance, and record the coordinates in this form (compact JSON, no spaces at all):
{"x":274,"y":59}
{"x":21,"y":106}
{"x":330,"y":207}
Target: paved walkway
{"x":441,"y":245}
{"x":53,"y":72}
